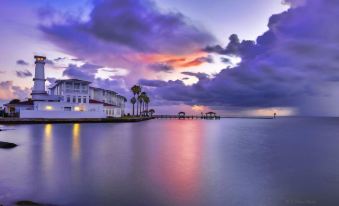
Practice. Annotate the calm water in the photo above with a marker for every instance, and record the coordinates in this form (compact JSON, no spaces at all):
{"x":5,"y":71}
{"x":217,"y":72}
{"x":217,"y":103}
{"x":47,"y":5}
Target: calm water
{"x":233,"y":162}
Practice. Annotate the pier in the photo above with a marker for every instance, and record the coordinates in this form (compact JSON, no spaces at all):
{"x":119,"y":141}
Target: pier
{"x":183,"y":116}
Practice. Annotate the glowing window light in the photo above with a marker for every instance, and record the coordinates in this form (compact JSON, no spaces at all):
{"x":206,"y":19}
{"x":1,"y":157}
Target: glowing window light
{"x":49,"y":107}
{"x":77,"y":109}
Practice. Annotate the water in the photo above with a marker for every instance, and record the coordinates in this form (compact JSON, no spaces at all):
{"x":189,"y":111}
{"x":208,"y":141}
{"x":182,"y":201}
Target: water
{"x":233,"y":162}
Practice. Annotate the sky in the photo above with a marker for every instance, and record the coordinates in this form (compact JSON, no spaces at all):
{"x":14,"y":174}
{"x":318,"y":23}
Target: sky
{"x":239,"y":57}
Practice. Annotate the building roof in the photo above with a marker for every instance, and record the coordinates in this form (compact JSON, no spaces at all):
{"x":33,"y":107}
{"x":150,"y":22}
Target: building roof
{"x":72,"y":80}
{"x":59,"y":81}
{"x":24,"y":103}
{"x":107,"y":90}
{"x":92,"y":101}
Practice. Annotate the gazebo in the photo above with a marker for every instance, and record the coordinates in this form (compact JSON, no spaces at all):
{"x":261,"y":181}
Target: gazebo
{"x":181,"y":115}
{"x":211,"y":115}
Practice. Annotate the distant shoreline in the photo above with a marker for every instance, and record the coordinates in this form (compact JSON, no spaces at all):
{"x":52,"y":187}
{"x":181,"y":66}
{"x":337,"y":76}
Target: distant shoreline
{"x":6,"y":121}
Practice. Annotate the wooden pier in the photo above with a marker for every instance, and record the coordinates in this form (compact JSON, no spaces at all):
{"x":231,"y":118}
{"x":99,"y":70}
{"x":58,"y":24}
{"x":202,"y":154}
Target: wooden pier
{"x":183,"y":116}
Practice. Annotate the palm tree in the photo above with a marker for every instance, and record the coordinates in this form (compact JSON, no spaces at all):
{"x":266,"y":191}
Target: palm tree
{"x":143,"y":96}
{"x":140,"y":100}
{"x":136,"y":89}
{"x":133,"y":101}
{"x":147,"y":101}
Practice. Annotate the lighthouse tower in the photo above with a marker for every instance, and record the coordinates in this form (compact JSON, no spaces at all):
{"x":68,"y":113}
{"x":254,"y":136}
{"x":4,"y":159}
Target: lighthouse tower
{"x":39,"y":91}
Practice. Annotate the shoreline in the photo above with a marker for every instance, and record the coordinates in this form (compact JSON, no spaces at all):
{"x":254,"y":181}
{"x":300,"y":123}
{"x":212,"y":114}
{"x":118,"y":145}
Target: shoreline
{"x":9,"y":121}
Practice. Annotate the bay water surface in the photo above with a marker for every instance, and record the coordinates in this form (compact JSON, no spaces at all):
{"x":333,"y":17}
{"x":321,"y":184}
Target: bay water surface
{"x":231,"y":162}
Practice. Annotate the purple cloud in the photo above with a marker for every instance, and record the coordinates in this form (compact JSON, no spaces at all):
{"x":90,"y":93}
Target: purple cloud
{"x":22,"y":62}
{"x":88,"y":71}
{"x":23,"y":74}
{"x":198,"y":75}
{"x":119,"y":32}
{"x":293,"y":64}
{"x":9,"y":91}
{"x":161,"y":67}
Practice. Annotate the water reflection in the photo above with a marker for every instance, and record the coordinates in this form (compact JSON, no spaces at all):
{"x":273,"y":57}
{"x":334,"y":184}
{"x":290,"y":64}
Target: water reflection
{"x":180,"y":171}
{"x":76,"y":142}
{"x":48,"y":146}
{"x":47,"y":154}
{"x":227,"y":162}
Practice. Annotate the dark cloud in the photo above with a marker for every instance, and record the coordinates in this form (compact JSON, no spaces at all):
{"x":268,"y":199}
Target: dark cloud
{"x":225,"y":60}
{"x":60,"y":59}
{"x":49,"y":62}
{"x":138,"y":24}
{"x":22,"y":62}
{"x":152,"y":83}
{"x":117,"y":32}
{"x":88,"y":72}
{"x":293,"y":64}
{"x":23,"y":74}
{"x":198,"y":75}
{"x":85,"y":72}
{"x":161,"y":67}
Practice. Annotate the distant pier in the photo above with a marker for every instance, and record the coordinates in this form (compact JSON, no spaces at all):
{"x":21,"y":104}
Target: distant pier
{"x":183,"y":116}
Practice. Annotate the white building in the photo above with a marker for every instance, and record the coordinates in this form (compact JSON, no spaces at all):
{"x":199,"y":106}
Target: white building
{"x":69,"y":98}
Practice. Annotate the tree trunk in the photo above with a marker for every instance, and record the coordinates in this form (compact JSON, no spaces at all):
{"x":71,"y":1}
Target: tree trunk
{"x":133,"y":109}
{"x":140,"y":108}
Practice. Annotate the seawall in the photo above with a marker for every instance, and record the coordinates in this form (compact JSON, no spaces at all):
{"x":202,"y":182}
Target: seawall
{"x":5,"y":121}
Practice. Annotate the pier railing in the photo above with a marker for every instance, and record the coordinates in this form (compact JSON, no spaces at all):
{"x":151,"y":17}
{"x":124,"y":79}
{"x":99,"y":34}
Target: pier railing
{"x":165,"y":116}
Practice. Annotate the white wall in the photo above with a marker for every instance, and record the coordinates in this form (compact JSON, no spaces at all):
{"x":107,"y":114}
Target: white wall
{"x":60,"y":106}
{"x":60,"y":114}
{"x":112,"y":111}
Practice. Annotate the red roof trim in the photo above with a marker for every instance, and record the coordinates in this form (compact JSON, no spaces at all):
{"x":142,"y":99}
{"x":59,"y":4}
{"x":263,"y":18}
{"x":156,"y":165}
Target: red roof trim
{"x":92,"y":101}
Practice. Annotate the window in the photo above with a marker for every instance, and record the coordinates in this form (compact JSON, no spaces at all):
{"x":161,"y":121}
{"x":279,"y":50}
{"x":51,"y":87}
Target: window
{"x":69,"y":85}
{"x":79,"y":99}
{"x":77,"y":86}
{"x":68,"y":99}
{"x":84,"y":100}
{"x":74,"y":99}
{"x":67,"y":108}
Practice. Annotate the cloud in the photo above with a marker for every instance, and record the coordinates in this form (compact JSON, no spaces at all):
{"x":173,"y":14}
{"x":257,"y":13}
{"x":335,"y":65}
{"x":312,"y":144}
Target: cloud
{"x":198,"y":75}
{"x":9,"y":91}
{"x":50,"y":62}
{"x":161,"y":67}
{"x":60,"y":59}
{"x":225,"y":60}
{"x":198,"y":61}
{"x":23,"y":74}
{"x":88,"y":72}
{"x":152,"y":83}
{"x":51,"y":80}
{"x":22,"y":62}
{"x":124,"y":33}
{"x":293,"y":64}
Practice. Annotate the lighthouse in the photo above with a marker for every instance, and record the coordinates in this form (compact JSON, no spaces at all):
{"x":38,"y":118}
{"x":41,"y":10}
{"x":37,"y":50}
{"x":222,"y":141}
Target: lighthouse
{"x":39,"y":91}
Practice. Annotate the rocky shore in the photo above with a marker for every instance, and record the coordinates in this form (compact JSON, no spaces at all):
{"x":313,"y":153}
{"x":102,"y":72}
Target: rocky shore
{"x":7,"y":145}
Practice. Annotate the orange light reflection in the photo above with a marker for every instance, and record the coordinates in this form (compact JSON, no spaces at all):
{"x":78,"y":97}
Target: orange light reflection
{"x":76,"y":142}
{"x":181,"y":173}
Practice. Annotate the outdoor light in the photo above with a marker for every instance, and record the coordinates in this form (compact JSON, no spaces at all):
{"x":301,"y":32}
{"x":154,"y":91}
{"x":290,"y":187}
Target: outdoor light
{"x":77,"y":109}
{"x":49,"y":107}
